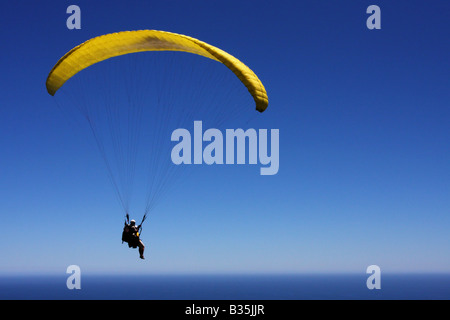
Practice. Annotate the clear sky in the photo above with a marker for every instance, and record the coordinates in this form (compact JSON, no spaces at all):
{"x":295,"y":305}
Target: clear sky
{"x":364,"y":144}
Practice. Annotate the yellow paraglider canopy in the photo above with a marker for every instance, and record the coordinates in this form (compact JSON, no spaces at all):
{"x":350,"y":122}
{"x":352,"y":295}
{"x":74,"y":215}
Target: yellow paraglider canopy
{"x":116,"y":44}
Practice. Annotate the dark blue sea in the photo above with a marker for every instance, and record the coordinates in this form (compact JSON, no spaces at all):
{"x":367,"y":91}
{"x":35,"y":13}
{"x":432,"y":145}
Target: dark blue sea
{"x":227,"y":287}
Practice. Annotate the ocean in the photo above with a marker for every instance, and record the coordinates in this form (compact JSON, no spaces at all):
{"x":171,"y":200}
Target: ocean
{"x":227,"y":287}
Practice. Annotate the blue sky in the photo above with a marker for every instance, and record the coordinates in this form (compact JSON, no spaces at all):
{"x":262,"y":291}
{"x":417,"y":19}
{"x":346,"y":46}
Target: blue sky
{"x":364,"y":144}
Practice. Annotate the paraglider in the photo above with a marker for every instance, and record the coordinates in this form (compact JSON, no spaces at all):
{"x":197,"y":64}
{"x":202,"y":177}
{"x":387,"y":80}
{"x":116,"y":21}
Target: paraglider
{"x":116,"y":44}
{"x":120,"y":118}
{"x":130,"y":235}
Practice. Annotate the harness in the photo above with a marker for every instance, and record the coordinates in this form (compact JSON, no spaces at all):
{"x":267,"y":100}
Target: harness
{"x":128,"y":236}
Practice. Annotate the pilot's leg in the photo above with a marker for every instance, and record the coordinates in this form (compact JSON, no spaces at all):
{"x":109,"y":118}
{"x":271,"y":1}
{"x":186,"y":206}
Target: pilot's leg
{"x":141,"y":249}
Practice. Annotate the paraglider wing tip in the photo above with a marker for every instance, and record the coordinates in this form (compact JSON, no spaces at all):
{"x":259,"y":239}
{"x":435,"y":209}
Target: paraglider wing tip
{"x":50,"y":92}
{"x":50,"y":89}
{"x":261,"y":105}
